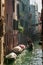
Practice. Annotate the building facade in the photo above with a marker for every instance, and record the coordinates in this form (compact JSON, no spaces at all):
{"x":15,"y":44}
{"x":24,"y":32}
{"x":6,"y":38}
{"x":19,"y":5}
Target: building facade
{"x":11,"y":36}
{"x":16,"y":10}
{"x":34,"y":20}
{"x":24,"y":11}
{"x":24,"y":17}
{"x":32,"y":12}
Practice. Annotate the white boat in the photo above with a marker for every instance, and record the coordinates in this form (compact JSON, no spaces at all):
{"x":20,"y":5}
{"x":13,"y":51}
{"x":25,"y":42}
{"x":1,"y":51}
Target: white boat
{"x":17,"y":49}
{"x":11,"y":55}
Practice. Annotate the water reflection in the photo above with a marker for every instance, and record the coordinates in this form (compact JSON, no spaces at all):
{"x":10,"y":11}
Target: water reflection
{"x":29,"y":58}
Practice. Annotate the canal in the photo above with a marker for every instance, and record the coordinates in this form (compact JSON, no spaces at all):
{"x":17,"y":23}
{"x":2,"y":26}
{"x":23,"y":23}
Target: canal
{"x":29,"y":58}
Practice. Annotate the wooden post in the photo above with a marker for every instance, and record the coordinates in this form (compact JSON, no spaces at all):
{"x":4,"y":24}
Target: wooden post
{"x":1,"y":50}
{"x":2,"y":28}
{"x":2,"y":53}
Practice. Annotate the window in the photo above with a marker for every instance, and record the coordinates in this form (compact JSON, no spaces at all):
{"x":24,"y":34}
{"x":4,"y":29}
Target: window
{"x":23,"y":6}
{"x":13,"y":3}
{"x":15,"y":25}
{"x":7,"y":17}
{"x":22,"y":22}
{"x":18,"y":11}
{"x":1,"y":28}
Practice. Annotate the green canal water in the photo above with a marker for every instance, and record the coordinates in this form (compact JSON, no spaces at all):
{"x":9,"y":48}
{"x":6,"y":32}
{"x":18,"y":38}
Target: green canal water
{"x":29,"y":58}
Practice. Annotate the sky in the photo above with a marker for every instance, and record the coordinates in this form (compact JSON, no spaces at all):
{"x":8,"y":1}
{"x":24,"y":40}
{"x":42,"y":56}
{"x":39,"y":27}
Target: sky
{"x":37,"y":1}
{"x":39,"y":4}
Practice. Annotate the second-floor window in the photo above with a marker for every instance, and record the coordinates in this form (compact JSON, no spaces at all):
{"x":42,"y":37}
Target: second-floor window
{"x":13,"y":3}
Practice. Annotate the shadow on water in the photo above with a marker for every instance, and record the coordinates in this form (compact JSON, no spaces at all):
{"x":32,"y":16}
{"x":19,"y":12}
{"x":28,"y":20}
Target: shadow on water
{"x":9,"y":61}
{"x":28,"y":58}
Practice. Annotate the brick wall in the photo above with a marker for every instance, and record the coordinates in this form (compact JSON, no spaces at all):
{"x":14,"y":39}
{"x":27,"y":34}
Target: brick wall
{"x":9,"y":12}
{"x":11,"y":39}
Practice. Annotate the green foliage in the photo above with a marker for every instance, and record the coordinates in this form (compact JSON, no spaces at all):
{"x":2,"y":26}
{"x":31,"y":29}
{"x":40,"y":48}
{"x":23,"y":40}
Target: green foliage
{"x":20,"y":28}
{"x":22,"y":14}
